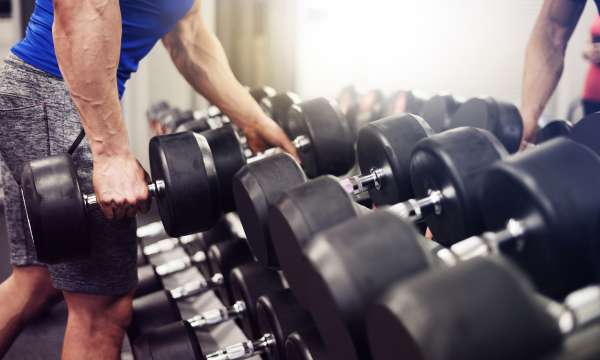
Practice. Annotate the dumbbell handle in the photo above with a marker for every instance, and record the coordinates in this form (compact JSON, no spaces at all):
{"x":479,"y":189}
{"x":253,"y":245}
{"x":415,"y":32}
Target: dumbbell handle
{"x":245,"y":349}
{"x":155,"y":189}
{"x":360,"y":184}
{"x":217,"y":316}
{"x":301,"y":143}
{"x":580,"y":308}
{"x":416,"y":210}
{"x":197,"y":287}
{"x":178,"y":265}
{"x":161,"y":246}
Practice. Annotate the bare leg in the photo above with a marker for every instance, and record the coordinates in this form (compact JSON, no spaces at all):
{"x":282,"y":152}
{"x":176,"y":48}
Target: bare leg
{"x":96,"y":326}
{"x":24,"y":295}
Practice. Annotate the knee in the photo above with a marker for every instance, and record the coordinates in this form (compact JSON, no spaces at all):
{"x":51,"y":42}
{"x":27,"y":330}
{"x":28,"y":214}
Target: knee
{"x":33,"y":283}
{"x":96,"y":313}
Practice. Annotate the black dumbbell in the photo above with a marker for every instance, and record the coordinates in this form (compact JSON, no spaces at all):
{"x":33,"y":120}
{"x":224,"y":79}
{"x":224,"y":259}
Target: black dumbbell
{"x":544,"y":214}
{"x":384,"y":148}
{"x":249,"y":280}
{"x":305,"y":344}
{"x":439,"y":109}
{"x":277,"y":107}
{"x":552,"y":130}
{"x":583,"y":132}
{"x":501,"y":118}
{"x":444,"y":172}
{"x":488,"y":298}
{"x":278,"y":316}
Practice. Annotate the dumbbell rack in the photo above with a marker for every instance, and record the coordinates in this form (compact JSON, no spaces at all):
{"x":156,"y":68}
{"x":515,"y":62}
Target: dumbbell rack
{"x":224,"y":334}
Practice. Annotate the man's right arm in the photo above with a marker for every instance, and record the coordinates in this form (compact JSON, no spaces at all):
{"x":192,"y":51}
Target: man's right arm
{"x":87,"y":41}
{"x":544,"y":59}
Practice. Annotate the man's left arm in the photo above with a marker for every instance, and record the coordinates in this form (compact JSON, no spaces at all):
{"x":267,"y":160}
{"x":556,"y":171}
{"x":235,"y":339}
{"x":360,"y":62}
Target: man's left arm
{"x":200,"y":58}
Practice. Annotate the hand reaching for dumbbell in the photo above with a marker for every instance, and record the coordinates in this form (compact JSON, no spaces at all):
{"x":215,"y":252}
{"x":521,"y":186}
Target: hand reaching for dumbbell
{"x":266,"y":133}
{"x":121,"y":186}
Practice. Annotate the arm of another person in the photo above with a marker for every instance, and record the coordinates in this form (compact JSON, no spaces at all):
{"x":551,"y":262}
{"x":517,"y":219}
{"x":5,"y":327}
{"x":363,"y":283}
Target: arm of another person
{"x":87,"y":40}
{"x":200,"y":58}
{"x":544,"y":59}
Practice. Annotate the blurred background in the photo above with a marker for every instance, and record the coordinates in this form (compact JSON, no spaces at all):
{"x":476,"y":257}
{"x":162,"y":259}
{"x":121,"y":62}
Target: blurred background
{"x":316,"y":47}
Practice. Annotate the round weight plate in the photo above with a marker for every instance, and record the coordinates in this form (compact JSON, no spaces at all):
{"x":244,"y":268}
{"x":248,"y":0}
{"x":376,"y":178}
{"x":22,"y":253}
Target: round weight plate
{"x":300,"y":214}
{"x":55,"y":210}
{"x":438,"y":111}
{"x":585,"y":131}
{"x":552,"y":130}
{"x":550,"y":190}
{"x":197,"y":126}
{"x":480,"y":309}
{"x":262,"y":92}
{"x":452,"y":162}
{"x":174,"y":341}
{"x":148,"y":281}
{"x":222,"y":258}
{"x":248,"y":282}
{"x":255,"y":187}
{"x":350,"y":267}
{"x":305,"y":345}
{"x":279,"y":314}
{"x":387,"y":145}
{"x":228,"y":158}
{"x":278,"y":108}
{"x":414,"y":102}
{"x":151,"y":311}
{"x":189,"y":202}
{"x":331,"y":148}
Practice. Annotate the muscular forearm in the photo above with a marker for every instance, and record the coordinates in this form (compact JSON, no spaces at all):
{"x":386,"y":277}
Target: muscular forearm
{"x":87,"y":40}
{"x":200,"y":58}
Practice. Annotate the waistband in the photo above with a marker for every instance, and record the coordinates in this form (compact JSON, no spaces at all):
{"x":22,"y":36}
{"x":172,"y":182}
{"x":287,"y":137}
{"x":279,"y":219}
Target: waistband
{"x":16,"y":62}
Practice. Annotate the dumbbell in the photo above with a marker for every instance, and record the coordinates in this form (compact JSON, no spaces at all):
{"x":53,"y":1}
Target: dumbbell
{"x":198,"y":168}
{"x":552,"y":130}
{"x":488,"y":298}
{"x":534,"y":212}
{"x":278,"y":316}
{"x":444,"y":171}
{"x":585,"y":129}
{"x":247,"y":282}
{"x":405,"y":101}
{"x":228,"y":250}
{"x":305,"y":344}
{"x":503,"y":119}
{"x":277,"y":107}
{"x":439,"y":109}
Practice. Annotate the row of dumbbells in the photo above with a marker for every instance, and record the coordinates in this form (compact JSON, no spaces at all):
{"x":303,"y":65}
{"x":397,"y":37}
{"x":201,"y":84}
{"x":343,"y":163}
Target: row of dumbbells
{"x":434,"y":178}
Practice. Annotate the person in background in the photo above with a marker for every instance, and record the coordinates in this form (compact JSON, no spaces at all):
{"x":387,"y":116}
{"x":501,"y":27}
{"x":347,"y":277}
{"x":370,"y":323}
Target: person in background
{"x":591,"y":89}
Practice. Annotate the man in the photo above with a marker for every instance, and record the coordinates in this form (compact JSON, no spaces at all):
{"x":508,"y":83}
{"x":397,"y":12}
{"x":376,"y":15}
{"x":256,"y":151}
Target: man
{"x":590,"y":98}
{"x":544,"y":60}
{"x":68,"y":72}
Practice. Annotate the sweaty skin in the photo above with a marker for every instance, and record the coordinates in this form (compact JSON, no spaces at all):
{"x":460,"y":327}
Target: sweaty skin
{"x":544,"y":59}
{"x":87,"y":37}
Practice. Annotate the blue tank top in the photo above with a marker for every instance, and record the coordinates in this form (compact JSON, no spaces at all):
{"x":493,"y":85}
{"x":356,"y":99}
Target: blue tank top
{"x":144,"y":23}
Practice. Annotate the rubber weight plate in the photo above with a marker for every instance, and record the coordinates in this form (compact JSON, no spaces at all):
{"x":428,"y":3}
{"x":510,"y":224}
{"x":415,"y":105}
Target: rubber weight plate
{"x":387,"y":144}
{"x":305,"y":344}
{"x":500,"y":118}
{"x":55,"y":209}
{"x":152,"y":311}
{"x":174,"y":341}
{"x":480,"y":309}
{"x":552,"y":130}
{"x":585,"y":130}
{"x":438,"y":111}
{"x":300,"y":214}
{"x":185,"y":163}
{"x":280,"y":315}
{"x":453,"y":162}
{"x":222,"y":258}
{"x":278,"y":108}
{"x":248,"y":280}
{"x":551,"y":192}
{"x":331,"y":149}
{"x":255,"y":187}
{"x":350,"y":267}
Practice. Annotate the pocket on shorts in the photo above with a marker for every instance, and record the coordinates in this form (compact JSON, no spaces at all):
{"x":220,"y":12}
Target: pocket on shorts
{"x":23,"y":131}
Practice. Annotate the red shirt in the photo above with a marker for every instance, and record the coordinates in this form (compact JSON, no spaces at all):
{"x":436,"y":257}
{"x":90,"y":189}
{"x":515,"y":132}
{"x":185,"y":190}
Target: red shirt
{"x":591,"y":90}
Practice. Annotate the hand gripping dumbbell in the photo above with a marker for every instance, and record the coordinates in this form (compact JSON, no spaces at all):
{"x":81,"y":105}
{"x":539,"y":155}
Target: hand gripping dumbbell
{"x":445,"y":174}
{"x":150,"y":277}
{"x":535,"y":221}
{"x":384,"y":148}
{"x":439,"y":109}
{"x":198,"y":168}
{"x":305,"y":344}
{"x":247,"y":282}
{"x":278,"y":316}
{"x":504,"y":317}
{"x":501,"y":118}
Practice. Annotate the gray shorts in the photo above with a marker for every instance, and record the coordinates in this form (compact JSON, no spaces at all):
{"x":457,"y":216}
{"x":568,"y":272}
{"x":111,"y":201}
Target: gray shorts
{"x":37,"y":119}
